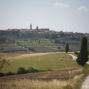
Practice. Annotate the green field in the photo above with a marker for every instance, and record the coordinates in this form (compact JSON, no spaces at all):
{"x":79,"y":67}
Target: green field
{"x":39,"y":61}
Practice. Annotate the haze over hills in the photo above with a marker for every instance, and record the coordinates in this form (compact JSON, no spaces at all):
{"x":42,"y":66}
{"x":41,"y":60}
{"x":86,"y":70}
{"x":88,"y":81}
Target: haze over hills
{"x":38,"y":40}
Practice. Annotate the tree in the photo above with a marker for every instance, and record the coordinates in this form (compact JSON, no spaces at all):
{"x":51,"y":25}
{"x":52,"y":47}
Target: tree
{"x":83,"y":56}
{"x":67,"y":48}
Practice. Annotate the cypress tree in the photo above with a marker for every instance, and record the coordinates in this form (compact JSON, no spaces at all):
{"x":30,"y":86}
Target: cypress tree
{"x":67,"y":48}
{"x":83,"y":56}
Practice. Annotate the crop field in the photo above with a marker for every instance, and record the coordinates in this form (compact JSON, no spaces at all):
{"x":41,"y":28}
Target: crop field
{"x":33,"y":84}
{"x":39,"y":61}
{"x":42,"y":80}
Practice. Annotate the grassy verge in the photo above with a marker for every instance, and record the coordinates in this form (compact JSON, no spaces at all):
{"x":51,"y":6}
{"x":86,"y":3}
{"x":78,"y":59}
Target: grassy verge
{"x":80,"y":81}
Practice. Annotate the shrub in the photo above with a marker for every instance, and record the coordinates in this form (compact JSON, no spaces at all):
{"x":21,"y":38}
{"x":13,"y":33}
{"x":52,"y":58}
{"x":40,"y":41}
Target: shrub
{"x":21,"y":70}
{"x":76,"y":53}
{"x":10,"y":73}
{"x":49,"y":69}
{"x":68,"y":87}
{"x":1,"y":74}
{"x":31,"y":70}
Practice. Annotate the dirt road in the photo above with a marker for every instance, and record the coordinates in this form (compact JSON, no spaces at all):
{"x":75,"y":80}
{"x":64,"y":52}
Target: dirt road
{"x":74,"y":57}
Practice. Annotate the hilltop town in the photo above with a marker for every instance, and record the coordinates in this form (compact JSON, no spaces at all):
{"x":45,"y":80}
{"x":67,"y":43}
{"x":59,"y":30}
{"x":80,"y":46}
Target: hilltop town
{"x":40,"y":30}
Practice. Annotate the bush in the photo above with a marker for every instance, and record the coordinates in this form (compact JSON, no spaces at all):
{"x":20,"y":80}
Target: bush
{"x":10,"y":73}
{"x":49,"y":69}
{"x":76,"y":53}
{"x":31,"y":70}
{"x":68,"y":87}
{"x":1,"y":74}
{"x":21,"y":70}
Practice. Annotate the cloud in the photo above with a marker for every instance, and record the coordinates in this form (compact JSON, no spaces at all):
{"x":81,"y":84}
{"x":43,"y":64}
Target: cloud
{"x":83,"y":8}
{"x":62,"y":5}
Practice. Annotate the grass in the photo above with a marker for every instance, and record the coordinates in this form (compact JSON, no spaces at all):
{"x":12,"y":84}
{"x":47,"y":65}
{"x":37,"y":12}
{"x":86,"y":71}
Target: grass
{"x":39,"y":61}
{"x":24,"y":81}
{"x":33,"y":84}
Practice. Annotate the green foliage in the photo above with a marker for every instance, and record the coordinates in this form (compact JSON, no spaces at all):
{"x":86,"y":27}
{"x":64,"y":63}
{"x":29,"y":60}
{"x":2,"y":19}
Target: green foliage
{"x":9,"y":73}
{"x":1,"y":74}
{"x":2,"y":63}
{"x":21,"y":70}
{"x":68,"y":87}
{"x":77,"y":53}
{"x":31,"y":39}
{"x":83,"y":56}
{"x":32,"y":70}
{"x":67,"y":48}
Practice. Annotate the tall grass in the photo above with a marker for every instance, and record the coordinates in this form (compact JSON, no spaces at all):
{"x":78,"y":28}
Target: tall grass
{"x":33,"y":84}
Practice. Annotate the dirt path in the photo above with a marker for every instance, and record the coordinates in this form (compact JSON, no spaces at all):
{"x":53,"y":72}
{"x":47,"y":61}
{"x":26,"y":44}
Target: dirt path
{"x":74,"y":57}
{"x":86,"y":84}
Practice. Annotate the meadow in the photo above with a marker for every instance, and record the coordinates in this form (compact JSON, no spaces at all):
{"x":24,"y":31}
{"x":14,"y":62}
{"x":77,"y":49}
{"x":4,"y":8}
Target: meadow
{"x":39,"y":61}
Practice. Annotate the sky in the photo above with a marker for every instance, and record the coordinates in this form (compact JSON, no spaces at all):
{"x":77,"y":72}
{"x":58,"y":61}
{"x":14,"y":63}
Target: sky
{"x":57,"y":15}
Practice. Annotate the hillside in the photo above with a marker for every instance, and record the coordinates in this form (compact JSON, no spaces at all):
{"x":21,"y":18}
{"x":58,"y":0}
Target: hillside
{"x":38,"y":40}
{"x":39,"y":61}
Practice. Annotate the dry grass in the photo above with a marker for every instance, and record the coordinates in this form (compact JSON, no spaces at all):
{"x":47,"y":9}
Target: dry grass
{"x":28,"y":55}
{"x":50,"y":75}
{"x":10,"y":56}
{"x":33,"y":84}
{"x":24,"y":81}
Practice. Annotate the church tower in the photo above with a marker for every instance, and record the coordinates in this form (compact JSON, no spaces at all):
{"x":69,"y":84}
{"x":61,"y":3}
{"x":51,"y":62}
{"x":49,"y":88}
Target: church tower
{"x":30,"y":26}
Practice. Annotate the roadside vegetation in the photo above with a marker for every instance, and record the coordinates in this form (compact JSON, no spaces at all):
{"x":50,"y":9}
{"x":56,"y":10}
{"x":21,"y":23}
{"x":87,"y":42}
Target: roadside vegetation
{"x":85,"y":73}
